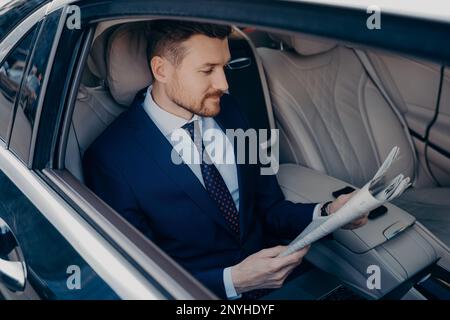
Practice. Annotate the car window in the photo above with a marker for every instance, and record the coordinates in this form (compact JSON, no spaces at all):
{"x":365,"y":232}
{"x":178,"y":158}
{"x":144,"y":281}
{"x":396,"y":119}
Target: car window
{"x":12,"y":12}
{"x":11,"y":73}
{"x":27,"y":105}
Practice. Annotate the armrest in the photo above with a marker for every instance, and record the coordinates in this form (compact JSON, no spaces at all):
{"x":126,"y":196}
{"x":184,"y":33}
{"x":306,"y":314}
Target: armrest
{"x":393,"y":242}
{"x":301,"y":184}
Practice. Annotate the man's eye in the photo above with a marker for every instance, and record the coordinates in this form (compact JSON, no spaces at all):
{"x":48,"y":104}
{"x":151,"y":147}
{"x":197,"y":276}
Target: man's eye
{"x":207,"y":71}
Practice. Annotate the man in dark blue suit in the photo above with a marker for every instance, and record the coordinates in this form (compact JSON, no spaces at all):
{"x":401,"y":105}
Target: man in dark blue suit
{"x":213,"y":218}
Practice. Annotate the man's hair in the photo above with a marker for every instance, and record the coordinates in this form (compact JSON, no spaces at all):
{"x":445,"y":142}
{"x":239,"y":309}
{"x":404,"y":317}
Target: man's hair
{"x":165,"y":37}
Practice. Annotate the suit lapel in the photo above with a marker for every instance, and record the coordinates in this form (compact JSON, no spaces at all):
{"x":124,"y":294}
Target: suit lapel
{"x":159,"y":149}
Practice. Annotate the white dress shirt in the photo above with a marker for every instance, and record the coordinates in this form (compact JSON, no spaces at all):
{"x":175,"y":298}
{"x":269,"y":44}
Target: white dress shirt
{"x":168,"y":123}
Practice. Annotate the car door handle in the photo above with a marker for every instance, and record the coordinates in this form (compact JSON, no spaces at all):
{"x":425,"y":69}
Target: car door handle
{"x":13,"y":274}
{"x":13,"y":271}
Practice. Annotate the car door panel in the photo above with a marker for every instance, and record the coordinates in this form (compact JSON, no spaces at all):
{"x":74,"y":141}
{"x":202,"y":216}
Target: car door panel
{"x":414,"y":85}
{"x":439,"y":163}
{"x":417,"y":83}
{"x":55,"y":261}
{"x":440,"y":131}
{"x":49,"y":258}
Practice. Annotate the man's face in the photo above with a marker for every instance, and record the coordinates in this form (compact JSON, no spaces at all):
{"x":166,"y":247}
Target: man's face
{"x":198,"y":82}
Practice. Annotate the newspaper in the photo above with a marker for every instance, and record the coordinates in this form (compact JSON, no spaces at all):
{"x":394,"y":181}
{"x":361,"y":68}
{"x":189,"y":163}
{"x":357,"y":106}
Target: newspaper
{"x":376,"y":192}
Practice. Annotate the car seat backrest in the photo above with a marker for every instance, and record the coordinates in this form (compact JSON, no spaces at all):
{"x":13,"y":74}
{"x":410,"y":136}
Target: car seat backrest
{"x":118,"y":59}
{"x":331,"y":116}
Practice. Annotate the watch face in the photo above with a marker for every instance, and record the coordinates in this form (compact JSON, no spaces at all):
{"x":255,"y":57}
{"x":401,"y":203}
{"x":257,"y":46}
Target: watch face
{"x":324,"y":209}
{"x":323,"y":212}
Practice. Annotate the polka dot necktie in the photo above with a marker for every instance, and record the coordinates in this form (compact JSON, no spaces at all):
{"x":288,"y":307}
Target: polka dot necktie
{"x":214,"y":183}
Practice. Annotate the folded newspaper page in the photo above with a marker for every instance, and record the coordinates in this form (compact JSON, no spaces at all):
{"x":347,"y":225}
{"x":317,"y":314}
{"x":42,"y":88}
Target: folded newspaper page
{"x":376,"y":192}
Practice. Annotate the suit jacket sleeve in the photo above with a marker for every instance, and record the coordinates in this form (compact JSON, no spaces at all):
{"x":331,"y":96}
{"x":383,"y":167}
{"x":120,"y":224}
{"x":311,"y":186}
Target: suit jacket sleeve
{"x":112,"y":188}
{"x":213,"y":280}
{"x":282,"y":218}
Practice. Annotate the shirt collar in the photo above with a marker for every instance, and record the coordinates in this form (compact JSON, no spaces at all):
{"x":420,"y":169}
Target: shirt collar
{"x":165,"y":121}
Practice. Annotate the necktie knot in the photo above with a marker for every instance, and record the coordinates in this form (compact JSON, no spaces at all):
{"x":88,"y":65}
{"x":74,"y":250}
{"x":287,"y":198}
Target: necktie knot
{"x":193,"y":129}
{"x":190,"y":128}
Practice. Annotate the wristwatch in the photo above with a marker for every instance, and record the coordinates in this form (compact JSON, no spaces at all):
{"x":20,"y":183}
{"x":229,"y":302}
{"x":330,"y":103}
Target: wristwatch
{"x":323,"y":210}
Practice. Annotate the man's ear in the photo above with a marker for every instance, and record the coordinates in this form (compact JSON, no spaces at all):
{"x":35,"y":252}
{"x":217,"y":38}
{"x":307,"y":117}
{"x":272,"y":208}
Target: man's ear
{"x":161,"y":69}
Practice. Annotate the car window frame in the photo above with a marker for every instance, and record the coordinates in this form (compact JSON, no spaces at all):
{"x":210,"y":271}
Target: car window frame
{"x":36,"y":27}
{"x":421,"y":37}
{"x":41,"y":96}
{"x":9,"y":43}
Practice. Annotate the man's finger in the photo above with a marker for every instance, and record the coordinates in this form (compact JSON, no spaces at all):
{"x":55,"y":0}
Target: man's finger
{"x":345,"y":197}
{"x":294,"y":257}
{"x":342,"y":199}
{"x":360,"y":222}
{"x":364,"y":221}
{"x":362,"y":218}
{"x":287,"y":269}
{"x":272,"y":252}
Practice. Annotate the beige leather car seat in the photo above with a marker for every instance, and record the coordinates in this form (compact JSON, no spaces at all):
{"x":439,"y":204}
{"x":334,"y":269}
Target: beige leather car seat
{"x":333,"y":119}
{"x":118,"y":60}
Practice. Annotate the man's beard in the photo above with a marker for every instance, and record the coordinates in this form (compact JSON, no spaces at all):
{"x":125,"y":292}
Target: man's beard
{"x":202,"y":109}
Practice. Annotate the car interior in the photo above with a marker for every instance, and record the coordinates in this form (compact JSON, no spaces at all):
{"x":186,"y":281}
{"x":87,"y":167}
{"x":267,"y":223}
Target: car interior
{"x":339,"y":108}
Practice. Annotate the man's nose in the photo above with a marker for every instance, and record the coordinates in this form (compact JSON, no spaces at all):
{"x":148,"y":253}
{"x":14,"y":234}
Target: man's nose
{"x":220,"y":81}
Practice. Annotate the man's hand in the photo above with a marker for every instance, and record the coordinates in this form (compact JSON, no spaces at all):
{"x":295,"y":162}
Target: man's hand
{"x":265,"y":269}
{"x":338,"y":203}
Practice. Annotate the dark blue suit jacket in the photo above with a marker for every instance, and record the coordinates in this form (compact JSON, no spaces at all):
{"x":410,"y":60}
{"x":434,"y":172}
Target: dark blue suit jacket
{"x":129,"y":166}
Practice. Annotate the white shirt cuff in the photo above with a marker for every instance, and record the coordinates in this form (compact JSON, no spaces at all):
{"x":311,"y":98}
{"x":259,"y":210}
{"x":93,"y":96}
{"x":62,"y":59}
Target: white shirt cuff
{"x":316,"y":212}
{"x":229,"y":286}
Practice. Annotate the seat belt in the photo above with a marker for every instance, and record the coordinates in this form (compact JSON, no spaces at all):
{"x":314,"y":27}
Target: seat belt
{"x":370,"y":70}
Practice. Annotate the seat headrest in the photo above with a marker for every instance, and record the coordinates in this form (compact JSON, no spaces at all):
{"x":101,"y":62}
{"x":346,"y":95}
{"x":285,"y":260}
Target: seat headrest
{"x":119,"y":57}
{"x":96,"y":60}
{"x":127,"y":68}
{"x":305,"y":44}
